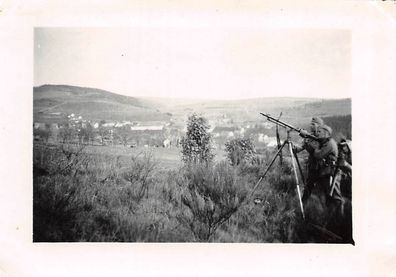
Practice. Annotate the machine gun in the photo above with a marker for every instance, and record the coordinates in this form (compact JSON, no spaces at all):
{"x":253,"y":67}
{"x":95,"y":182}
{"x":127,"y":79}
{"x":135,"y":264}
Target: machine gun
{"x":289,"y":127}
{"x":294,"y":159}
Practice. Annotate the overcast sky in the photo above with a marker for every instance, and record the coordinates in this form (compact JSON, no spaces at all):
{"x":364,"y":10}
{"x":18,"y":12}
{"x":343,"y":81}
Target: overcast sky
{"x":197,"y":61}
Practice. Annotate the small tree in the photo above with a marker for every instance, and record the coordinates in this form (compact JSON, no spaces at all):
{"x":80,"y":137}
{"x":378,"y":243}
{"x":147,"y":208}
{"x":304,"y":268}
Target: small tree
{"x":87,"y":134}
{"x":123,"y":134}
{"x":140,"y":176}
{"x":240,"y":151}
{"x":66,"y":134}
{"x":102,"y":131}
{"x":44,"y":134}
{"x":196,"y":144}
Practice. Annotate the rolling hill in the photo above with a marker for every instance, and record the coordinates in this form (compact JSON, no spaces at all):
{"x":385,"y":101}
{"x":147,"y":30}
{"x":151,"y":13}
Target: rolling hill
{"x":52,"y":103}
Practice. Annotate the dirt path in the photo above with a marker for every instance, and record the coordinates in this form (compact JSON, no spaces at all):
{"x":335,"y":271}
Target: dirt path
{"x":52,"y":107}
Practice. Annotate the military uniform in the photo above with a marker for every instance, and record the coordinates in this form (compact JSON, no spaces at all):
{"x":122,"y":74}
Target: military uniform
{"x":310,"y":145}
{"x":343,"y":179}
{"x":343,"y":176}
{"x":312,"y":169}
{"x":326,"y":156}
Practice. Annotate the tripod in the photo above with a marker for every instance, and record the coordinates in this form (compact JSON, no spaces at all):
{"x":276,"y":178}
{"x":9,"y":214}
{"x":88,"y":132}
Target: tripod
{"x":294,"y":159}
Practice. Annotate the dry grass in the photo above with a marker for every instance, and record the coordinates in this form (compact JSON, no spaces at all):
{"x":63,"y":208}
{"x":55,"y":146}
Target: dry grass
{"x":117,"y":194}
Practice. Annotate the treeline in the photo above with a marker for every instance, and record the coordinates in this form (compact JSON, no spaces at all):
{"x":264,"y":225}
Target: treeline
{"x":341,"y":125}
{"x":87,"y":134}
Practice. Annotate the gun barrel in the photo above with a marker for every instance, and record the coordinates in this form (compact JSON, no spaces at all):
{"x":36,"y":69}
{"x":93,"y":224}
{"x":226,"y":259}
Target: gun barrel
{"x":286,"y":125}
{"x":279,"y":122}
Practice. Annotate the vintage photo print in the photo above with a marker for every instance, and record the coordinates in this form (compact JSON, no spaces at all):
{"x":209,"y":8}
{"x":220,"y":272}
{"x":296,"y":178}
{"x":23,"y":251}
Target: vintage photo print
{"x":213,"y":138}
{"x":177,"y":134}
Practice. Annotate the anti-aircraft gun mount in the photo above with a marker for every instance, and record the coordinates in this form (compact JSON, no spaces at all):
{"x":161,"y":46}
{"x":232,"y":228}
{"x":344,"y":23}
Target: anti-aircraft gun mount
{"x":294,"y":159}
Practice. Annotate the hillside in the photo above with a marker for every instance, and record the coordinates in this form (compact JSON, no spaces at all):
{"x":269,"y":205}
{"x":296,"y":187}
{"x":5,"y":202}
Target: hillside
{"x":52,"y":103}
{"x":295,"y":110}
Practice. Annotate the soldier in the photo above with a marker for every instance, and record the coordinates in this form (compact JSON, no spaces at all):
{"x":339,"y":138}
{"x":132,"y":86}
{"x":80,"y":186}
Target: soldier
{"x":310,"y":145}
{"x":343,"y":174}
{"x":326,"y":156}
{"x":343,"y":182}
{"x":328,"y":190}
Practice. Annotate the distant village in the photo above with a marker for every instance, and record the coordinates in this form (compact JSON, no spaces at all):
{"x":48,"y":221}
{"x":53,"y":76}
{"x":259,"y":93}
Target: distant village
{"x":148,"y":134}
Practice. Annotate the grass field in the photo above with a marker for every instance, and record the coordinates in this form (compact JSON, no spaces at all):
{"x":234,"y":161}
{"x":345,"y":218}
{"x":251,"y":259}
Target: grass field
{"x":166,"y":158}
{"x":116,"y":193}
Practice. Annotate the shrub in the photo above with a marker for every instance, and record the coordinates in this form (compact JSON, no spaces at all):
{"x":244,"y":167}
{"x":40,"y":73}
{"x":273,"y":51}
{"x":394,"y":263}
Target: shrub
{"x":240,"y":151}
{"x":56,"y":205}
{"x":139,"y":176}
{"x":66,"y":134}
{"x":271,"y":216}
{"x":93,"y":202}
{"x":211,"y":194}
{"x":65,"y":159}
{"x":196,"y":144}
{"x":81,"y":197}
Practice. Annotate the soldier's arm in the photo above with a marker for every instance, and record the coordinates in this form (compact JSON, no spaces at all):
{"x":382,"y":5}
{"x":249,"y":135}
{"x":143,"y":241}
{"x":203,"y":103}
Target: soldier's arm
{"x":298,"y":148}
{"x":305,"y":146}
{"x":311,"y":145}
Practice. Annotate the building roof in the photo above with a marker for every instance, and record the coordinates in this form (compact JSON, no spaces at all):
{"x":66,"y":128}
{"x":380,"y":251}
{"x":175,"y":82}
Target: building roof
{"x":219,"y":129}
{"x":147,"y":128}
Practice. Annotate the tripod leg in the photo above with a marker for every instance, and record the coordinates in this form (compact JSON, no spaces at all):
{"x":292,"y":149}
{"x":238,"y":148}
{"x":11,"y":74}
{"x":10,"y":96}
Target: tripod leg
{"x":296,"y":177}
{"x":299,"y":168}
{"x":268,"y":168}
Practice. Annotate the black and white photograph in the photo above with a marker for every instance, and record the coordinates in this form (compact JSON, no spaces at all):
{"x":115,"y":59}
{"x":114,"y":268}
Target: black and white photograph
{"x":197,"y":138}
{"x":192,"y":135}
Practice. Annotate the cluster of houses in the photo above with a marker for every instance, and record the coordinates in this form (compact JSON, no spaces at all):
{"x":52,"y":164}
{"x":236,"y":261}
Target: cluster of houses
{"x":79,"y":122}
{"x":166,"y":134}
{"x":111,"y":132}
{"x":260,"y":133}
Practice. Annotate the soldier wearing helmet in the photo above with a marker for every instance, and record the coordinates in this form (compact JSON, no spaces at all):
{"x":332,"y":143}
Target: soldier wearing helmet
{"x":344,"y":163}
{"x":326,"y":157}
{"x":310,"y":145}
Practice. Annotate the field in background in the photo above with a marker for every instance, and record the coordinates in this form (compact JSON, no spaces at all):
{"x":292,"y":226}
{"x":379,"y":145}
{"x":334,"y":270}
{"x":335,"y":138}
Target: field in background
{"x":166,"y":158}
